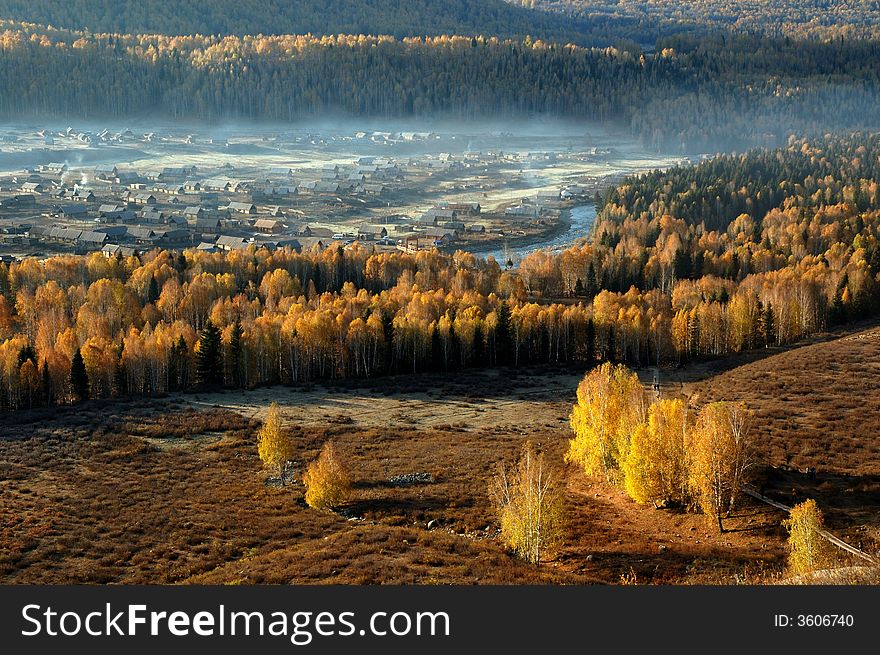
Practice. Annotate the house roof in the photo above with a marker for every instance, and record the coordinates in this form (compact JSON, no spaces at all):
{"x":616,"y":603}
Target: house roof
{"x":230,"y":242}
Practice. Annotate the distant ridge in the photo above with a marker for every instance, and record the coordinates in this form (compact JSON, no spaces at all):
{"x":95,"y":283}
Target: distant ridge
{"x":241,"y":17}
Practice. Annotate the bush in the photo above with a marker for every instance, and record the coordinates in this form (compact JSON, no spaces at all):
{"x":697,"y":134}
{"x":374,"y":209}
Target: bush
{"x":273,"y":445}
{"x":808,"y":550}
{"x":327,"y":482}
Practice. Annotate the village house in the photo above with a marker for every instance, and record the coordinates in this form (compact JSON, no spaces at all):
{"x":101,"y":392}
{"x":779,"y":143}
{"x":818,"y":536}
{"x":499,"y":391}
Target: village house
{"x":53,"y":168}
{"x":112,"y":231}
{"x":106,"y":171}
{"x":231,"y":243}
{"x":293,"y":244}
{"x":242,"y":207}
{"x":73,"y":212}
{"x":193,"y":213}
{"x":269,"y":226}
{"x":462,"y":208}
{"x":141,"y":234}
{"x":91,"y":240}
{"x":82,"y":195}
{"x":19,"y":200}
{"x":207,"y":224}
{"x":144,"y":199}
{"x":153,"y":216}
{"x":522,"y":210}
{"x":113,"y":250}
{"x":126,"y":178}
{"x":325,"y":187}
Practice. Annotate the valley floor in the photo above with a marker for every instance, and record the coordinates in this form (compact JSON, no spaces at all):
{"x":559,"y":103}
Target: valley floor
{"x":171,"y":490}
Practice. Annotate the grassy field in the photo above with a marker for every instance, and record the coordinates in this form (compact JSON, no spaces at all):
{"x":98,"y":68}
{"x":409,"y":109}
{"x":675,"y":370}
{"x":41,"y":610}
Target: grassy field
{"x":171,"y":490}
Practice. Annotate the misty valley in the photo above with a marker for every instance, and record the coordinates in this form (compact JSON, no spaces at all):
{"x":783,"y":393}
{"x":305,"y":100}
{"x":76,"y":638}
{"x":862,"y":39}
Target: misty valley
{"x":480,"y":292}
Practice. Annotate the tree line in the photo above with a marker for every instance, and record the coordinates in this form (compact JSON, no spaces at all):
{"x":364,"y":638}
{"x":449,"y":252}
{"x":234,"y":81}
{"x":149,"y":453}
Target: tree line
{"x":648,"y":287}
{"x":803,"y":19}
{"x":707,"y":94}
{"x":398,"y":18}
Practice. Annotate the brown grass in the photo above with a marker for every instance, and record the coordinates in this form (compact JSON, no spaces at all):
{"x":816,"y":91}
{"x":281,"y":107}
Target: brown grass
{"x":171,"y":490}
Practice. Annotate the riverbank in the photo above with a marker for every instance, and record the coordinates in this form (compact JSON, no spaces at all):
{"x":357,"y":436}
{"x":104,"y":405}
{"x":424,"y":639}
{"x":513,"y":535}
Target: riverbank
{"x":574,"y":223}
{"x":559,"y":227}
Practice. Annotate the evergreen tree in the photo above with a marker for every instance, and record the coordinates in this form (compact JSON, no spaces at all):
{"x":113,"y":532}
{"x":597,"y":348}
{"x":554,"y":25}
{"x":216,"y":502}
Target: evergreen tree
{"x":388,"y":334}
{"x":209,"y":369}
{"x":479,"y":346}
{"x":120,"y":379}
{"x":590,"y":345}
{"x":46,"y":384}
{"x":503,"y":340}
{"x":27,"y":353}
{"x":235,"y":355}
{"x":768,"y":328}
{"x":153,"y":290}
{"x":437,"y":360}
{"x":183,"y":363}
{"x":79,"y":378}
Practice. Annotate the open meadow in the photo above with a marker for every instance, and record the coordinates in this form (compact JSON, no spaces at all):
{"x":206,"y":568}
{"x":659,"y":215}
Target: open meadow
{"x":171,"y":490}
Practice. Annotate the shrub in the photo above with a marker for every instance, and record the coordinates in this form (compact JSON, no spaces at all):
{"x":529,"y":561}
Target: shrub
{"x":327,"y":482}
{"x":273,"y":445}
{"x":808,"y":550}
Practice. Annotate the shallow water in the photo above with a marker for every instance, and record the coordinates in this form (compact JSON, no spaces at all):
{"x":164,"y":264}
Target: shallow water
{"x":581,"y":222}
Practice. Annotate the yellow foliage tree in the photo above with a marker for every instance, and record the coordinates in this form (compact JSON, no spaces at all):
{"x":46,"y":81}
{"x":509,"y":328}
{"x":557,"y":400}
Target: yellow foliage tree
{"x":273,"y":445}
{"x":327,"y":481}
{"x":655,"y":470}
{"x":808,"y":550}
{"x":611,"y":405}
{"x":529,"y":505}
{"x":718,"y":450}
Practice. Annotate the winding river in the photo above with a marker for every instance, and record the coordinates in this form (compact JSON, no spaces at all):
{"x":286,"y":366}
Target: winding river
{"x":581,"y":220}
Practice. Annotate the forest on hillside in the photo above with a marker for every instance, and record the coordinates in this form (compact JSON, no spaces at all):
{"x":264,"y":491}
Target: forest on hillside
{"x":701,"y":95}
{"x":398,"y":18}
{"x":789,"y":247}
{"x":648,"y":21}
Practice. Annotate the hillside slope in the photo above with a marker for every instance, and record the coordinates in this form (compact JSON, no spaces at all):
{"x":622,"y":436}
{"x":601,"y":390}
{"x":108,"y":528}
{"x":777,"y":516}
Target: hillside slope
{"x":240,"y":17}
{"x":816,"y":406}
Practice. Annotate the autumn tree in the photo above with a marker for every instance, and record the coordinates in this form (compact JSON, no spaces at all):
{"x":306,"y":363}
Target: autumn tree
{"x":79,"y":378}
{"x":808,"y":550}
{"x":529,"y":505}
{"x":273,"y":445}
{"x":655,"y":469}
{"x":327,"y":481}
{"x":719,"y":456}
{"x":611,"y":404}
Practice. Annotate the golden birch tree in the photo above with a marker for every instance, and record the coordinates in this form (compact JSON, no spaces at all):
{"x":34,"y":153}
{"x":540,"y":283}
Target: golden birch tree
{"x":719,"y":452}
{"x":273,"y":445}
{"x":529,"y":505}
{"x":808,"y":550}
{"x":611,"y":404}
{"x":327,"y":480}
{"x":655,"y":470}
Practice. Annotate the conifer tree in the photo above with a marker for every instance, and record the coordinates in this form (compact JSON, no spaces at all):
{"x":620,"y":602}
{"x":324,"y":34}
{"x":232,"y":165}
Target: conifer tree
{"x":209,"y":369}
{"x":79,"y":378}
